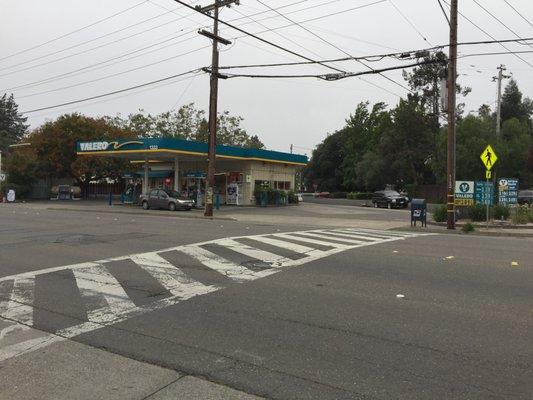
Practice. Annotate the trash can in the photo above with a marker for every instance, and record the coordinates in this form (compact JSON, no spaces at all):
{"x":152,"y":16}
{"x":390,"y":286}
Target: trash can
{"x":418,"y":212}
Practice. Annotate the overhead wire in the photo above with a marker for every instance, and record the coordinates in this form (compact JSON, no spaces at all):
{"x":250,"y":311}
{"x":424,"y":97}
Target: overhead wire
{"x":424,"y":38}
{"x":497,"y":19}
{"x":115,"y":74}
{"x":196,"y":70}
{"x":489,"y":35}
{"x":96,"y":66}
{"x":74,"y":31}
{"x":519,"y":13}
{"x":332,"y":44}
{"x":444,"y":12}
{"x":158,"y":26}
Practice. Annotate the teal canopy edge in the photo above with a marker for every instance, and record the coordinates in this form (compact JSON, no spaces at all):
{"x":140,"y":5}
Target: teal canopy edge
{"x":172,"y":144}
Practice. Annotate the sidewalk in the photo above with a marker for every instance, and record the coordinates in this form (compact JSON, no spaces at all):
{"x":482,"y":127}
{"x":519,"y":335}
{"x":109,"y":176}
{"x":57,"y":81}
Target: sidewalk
{"x":68,"y":370}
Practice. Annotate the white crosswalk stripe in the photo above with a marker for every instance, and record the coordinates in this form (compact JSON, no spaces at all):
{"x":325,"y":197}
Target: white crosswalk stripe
{"x":172,"y":279}
{"x":107,"y":302}
{"x":98,"y":287}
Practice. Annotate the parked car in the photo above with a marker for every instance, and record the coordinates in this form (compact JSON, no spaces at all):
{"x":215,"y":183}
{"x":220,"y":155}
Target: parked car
{"x":167,"y":199}
{"x":389,"y":199}
{"x":525,"y":196}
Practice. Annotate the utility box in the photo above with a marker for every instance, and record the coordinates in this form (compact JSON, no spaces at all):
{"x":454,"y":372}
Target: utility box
{"x":418,"y":212}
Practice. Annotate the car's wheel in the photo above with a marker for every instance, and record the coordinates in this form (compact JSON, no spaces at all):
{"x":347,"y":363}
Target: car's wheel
{"x":389,"y":206}
{"x":145,"y":205}
{"x":172,"y":206}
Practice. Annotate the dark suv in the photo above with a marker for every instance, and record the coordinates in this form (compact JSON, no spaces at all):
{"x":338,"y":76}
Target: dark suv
{"x":169,"y":199}
{"x":389,"y":199}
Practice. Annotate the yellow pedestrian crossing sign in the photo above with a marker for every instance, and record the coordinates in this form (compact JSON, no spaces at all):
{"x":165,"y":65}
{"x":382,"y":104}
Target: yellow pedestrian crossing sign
{"x":488,"y":157}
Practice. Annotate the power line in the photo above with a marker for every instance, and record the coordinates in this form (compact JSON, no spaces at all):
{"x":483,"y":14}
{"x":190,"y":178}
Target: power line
{"x":144,"y":31}
{"x":497,"y":19}
{"x":115,"y":74}
{"x":98,"y":38}
{"x":410,"y":23}
{"x":519,"y":13}
{"x":164,"y":84}
{"x":286,"y":38}
{"x":444,"y":12}
{"x":74,"y":31}
{"x":489,"y":35}
{"x":197,"y":70}
{"x":331,"y":77}
{"x":330,"y":43}
{"x":254,"y":35}
{"x":92,"y":66}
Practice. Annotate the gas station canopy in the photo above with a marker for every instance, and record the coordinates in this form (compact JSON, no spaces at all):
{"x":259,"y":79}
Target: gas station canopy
{"x":170,"y":148}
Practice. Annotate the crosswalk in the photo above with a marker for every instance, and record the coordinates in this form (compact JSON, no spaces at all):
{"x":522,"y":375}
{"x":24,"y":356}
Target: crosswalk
{"x":91,"y":295}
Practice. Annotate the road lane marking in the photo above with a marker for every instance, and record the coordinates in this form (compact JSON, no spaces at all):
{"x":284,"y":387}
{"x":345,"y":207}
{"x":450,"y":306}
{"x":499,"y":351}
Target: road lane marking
{"x":172,"y":278}
{"x":98,"y":287}
{"x":107,"y":302}
{"x":221,"y":265}
{"x":275,"y":260}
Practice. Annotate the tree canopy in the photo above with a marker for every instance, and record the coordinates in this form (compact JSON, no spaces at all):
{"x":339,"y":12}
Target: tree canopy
{"x":13,"y":125}
{"x":406,"y":145}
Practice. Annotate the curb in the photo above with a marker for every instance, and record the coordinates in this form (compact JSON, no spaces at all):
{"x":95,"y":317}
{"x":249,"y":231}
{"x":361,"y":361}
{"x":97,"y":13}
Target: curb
{"x":148,"y":213}
{"x":477,"y":232}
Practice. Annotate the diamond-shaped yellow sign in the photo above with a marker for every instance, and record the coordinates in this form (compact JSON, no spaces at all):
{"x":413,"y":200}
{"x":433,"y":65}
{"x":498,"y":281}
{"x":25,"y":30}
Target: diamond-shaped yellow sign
{"x":488,"y":157}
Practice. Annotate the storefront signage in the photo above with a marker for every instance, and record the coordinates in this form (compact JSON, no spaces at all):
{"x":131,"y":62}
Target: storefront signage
{"x":103,"y":145}
{"x":464,"y":193}
{"x":484,"y":192}
{"x":195,"y":175}
{"x":232,"y":194}
{"x":507,"y":191}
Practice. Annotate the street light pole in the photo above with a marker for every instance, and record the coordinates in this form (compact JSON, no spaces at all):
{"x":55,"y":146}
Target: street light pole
{"x":452,"y":79}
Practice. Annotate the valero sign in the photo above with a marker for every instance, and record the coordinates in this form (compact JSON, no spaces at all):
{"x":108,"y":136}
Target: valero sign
{"x":464,"y":193}
{"x":104,"y":146}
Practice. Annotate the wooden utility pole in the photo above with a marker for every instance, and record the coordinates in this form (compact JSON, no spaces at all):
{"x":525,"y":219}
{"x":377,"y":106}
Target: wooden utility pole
{"x":499,"y":79}
{"x":452,"y":79}
{"x":213,"y":101}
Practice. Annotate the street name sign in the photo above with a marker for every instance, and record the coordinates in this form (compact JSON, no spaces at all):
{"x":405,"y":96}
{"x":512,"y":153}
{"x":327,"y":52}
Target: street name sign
{"x":464,"y":193}
{"x":488,"y":157}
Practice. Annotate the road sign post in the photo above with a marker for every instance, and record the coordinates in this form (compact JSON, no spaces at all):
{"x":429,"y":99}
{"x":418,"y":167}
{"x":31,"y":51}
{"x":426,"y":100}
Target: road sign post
{"x":488,"y":158}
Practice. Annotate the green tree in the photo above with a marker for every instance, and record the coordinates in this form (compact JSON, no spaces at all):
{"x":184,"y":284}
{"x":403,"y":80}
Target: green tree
{"x":513,"y":105}
{"x":190,"y":123}
{"x":325,"y":168}
{"x":361,"y":135}
{"x":13,"y":125}
{"x":408,"y":146}
{"x":54,"y":147}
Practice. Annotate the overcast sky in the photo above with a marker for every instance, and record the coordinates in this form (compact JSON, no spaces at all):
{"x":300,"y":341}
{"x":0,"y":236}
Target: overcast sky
{"x":149,"y":40}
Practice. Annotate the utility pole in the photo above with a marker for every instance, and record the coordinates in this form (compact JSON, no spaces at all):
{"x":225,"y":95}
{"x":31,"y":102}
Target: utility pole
{"x":499,"y":79}
{"x":452,"y":79}
{"x":213,"y":100}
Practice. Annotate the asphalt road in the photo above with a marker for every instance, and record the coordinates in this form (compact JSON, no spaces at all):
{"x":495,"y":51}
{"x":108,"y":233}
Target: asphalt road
{"x":324,"y":320}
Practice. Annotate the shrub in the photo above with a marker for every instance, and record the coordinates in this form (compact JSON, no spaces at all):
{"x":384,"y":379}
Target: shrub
{"x":359,"y":196}
{"x":412,"y":190}
{"x":478,"y":212}
{"x":501,"y":212}
{"x":441,"y":213}
{"x":292,"y":197}
{"x":338,"y":195}
{"x":467,"y":228}
{"x":522,"y":215}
